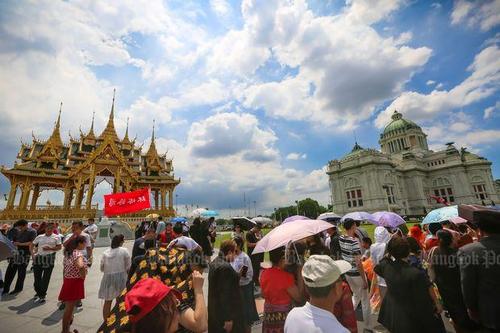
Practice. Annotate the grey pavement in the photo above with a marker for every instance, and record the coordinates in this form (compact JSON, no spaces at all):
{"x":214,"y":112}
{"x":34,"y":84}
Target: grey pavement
{"x":20,"y":314}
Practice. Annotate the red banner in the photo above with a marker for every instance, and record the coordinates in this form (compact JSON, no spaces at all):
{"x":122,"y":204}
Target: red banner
{"x":126,"y":202}
{"x":440,"y":200}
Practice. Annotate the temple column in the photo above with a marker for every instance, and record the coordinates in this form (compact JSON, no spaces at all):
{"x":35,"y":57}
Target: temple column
{"x":163,"y":198}
{"x":12,"y":196}
{"x":171,"y":198}
{"x":79,"y":197}
{"x":68,"y":194}
{"x":157,"y":199}
{"x":116,"y":187}
{"x":23,"y":202}
{"x":90,"y":191}
{"x":36,"y":194}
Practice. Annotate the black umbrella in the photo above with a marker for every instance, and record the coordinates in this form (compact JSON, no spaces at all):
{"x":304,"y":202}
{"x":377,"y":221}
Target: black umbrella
{"x":244,"y":222}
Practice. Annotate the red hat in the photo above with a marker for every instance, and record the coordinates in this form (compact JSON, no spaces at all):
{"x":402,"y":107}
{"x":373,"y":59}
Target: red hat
{"x":146,"y":295}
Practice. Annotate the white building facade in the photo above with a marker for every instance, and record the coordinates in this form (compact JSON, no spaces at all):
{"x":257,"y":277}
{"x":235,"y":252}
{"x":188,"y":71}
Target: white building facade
{"x":405,"y":174}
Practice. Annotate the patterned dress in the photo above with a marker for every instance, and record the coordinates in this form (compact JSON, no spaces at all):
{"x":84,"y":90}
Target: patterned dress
{"x":170,"y":266}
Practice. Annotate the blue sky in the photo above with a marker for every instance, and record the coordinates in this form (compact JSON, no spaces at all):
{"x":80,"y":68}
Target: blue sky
{"x":252,"y":96}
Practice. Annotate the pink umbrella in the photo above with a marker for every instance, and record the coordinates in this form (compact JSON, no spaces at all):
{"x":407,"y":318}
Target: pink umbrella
{"x":286,"y":232}
{"x":295,"y":218}
{"x":458,"y":220}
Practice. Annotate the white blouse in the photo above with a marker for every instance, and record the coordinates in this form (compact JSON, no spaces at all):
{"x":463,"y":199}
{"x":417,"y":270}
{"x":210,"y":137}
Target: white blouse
{"x":115,"y":260}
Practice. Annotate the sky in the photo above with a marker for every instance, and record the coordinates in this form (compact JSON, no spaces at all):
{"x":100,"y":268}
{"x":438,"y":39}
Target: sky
{"x":251,"y":98}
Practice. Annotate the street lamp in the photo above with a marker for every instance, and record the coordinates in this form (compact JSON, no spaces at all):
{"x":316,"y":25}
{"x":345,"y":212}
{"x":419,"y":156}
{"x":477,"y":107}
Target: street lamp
{"x":297,"y":203}
{"x":255,"y":208}
{"x":176,"y":203}
{"x":386,"y":188}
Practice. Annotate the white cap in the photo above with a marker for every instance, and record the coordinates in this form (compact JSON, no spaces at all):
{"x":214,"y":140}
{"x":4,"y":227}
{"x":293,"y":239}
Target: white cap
{"x":322,"y":270}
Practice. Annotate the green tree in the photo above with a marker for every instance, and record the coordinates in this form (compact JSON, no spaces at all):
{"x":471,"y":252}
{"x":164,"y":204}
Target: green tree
{"x":307,"y":207}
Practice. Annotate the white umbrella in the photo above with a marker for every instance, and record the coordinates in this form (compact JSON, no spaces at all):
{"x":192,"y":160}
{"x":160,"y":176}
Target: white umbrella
{"x":359,"y":216}
{"x":198,"y":212}
{"x":262,"y":219}
{"x":287,"y":232}
{"x":329,"y":216}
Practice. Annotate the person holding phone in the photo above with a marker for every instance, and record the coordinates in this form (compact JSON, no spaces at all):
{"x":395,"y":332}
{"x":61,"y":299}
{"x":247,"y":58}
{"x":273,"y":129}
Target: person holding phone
{"x":243,"y":266}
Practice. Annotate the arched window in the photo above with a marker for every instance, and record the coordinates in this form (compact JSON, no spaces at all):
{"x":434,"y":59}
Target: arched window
{"x":354,"y":194}
{"x":479,"y":187}
{"x":442,"y":188}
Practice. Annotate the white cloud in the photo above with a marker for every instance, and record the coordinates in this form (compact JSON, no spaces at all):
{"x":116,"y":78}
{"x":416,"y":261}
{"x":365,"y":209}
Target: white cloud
{"x":482,"y":13}
{"x":482,"y":82}
{"x":221,"y":7}
{"x":439,"y":86}
{"x":296,"y":156}
{"x":369,"y":12}
{"x":488,"y":112}
{"x":430,"y":82}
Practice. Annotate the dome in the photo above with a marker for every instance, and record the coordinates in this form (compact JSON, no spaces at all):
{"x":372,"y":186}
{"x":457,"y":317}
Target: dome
{"x":399,"y":123}
{"x":355,"y":151}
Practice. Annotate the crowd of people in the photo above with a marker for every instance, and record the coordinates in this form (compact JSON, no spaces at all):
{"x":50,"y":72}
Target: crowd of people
{"x":403,"y":278}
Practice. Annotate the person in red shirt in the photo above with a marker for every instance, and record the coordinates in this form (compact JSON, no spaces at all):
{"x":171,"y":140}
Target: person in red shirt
{"x":344,"y":310}
{"x":279,"y":289}
{"x":167,"y":235}
{"x":433,"y":240}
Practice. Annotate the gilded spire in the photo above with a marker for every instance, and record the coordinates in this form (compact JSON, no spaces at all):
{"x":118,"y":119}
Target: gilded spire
{"x":126,"y":139}
{"x":110,"y":131}
{"x":152,"y":147}
{"x":91,"y":132}
{"x":55,"y":137}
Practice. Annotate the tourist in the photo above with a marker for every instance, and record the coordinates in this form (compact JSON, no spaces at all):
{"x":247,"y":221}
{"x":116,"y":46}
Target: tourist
{"x":212,"y":231}
{"x":91,"y":230}
{"x":167,"y":235}
{"x":77,"y":230}
{"x":74,"y":272}
{"x":115,"y":263}
{"x":432,"y":239}
{"x":152,"y":307}
{"x":161,"y":226}
{"x":138,"y":248}
{"x":316,"y":246}
{"x":356,"y":277}
{"x":43,"y":250}
{"x":415,"y":257}
{"x":407,"y":306}
{"x":323,"y":282}
{"x":237,"y":232}
{"x":366,"y":242}
{"x":225,"y":307}
{"x":199,"y":232}
{"x":141,"y":229}
{"x":332,"y":242}
{"x":174,"y":268}
{"x":40,"y":230}
{"x":252,"y":237}
{"x":148,"y":244}
{"x":243,"y":266}
{"x":480,"y":273}
{"x":343,"y":310}
{"x":4,"y":229}
{"x":377,"y":251}
{"x":279,"y":290}
{"x":446,"y":273}
{"x":183,"y":241}
{"x":22,"y":239}
{"x":416,"y":233}
{"x":360,"y":232}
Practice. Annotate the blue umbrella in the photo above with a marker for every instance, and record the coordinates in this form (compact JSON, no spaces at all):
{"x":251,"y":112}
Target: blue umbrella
{"x":7,"y":248}
{"x":209,"y":213}
{"x":178,"y":220}
{"x":441,"y":214}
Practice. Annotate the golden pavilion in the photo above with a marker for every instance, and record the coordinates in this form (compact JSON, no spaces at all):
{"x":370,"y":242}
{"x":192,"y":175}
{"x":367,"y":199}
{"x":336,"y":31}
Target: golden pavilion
{"x":76,"y":167}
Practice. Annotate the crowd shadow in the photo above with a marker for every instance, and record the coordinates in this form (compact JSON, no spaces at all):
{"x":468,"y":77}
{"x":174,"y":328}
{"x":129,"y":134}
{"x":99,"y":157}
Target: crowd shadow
{"x":56,"y":316}
{"x":25,"y":307}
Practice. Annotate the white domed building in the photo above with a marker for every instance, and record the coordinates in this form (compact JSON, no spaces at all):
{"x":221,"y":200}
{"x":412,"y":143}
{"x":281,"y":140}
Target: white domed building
{"x":404,"y":175}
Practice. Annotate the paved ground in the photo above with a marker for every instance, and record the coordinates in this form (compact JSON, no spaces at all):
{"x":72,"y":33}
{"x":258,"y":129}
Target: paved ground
{"x":19,"y":314}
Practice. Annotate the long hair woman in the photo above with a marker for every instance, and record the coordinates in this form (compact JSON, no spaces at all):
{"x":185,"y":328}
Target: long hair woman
{"x":115,"y":263}
{"x":74,"y":272}
{"x":279,"y":290}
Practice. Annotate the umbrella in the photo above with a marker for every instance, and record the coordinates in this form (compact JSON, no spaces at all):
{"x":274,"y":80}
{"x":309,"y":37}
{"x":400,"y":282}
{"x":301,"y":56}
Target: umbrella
{"x":359,"y":216}
{"x":244,"y":222}
{"x":441,"y":214}
{"x":458,"y":220}
{"x":388,"y":219}
{"x":287,"y":232}
{"x":295,"y":218}
{"x":329,"y":217}
{"x":152,"y":216}
{"x":263,"y":220}
{"x":209,"y":213}
{"x":6,"y":248}
{"x":178,"y":220}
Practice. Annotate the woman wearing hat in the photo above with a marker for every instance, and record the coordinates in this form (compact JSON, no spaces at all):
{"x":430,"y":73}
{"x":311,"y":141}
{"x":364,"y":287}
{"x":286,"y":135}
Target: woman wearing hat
{"x":152,"y":307}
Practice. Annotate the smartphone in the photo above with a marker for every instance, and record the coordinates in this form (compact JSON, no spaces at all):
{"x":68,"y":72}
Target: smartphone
{"x":244,"y":271}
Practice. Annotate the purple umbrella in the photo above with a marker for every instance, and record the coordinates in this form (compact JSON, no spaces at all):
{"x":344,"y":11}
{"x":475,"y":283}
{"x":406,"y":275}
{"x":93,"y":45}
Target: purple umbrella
{"x":359,"y":216}
{"x":388,"y":219}
{"x":295,"y":218}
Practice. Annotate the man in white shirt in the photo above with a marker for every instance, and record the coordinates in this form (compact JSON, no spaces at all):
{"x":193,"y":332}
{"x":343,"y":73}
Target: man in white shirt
{"x":77,"y":230}
{"x":322,"y":278}
{"x":43,"y":249}
{"x":91,"y":230}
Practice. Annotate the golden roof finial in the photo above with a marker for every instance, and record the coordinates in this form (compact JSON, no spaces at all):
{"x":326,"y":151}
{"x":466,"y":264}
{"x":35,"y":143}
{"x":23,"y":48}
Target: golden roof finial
{"x":58,"y":123}
{"x":92,"y":125}
{"x":126,"y":139}
{"x":55,"y":137}
{"x":110,"y":131}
